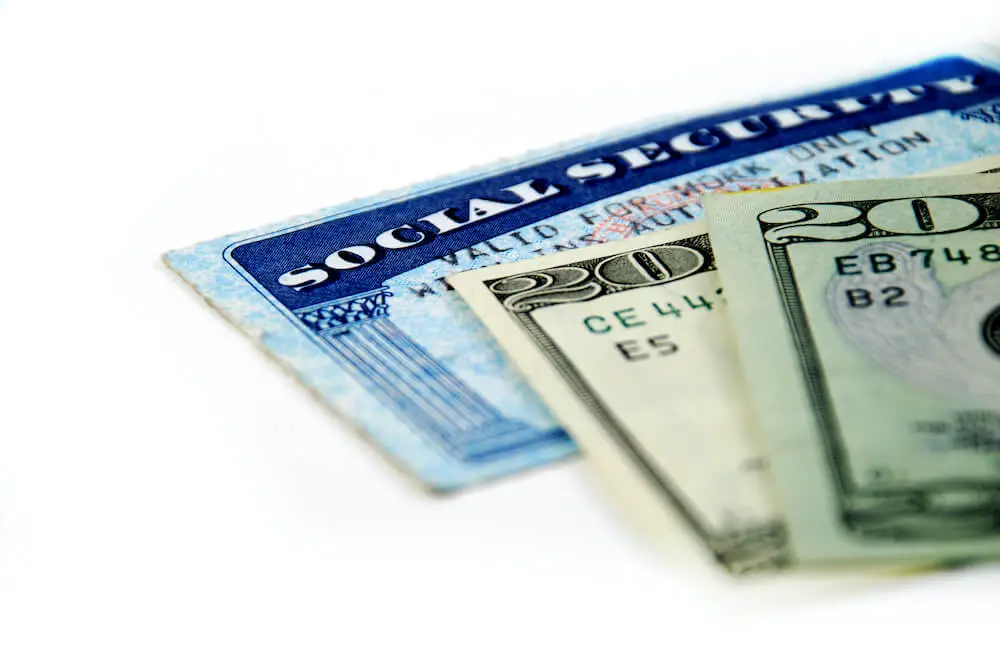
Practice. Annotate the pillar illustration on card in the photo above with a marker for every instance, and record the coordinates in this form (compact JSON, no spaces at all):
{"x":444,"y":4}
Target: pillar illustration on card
{"x":359,"y":334}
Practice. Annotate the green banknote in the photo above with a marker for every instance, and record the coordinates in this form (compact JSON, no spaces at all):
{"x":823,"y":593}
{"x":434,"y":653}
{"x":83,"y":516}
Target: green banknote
{"x":867,"y":316}
{"x":629,"y":346}
{"x":670,"y":429}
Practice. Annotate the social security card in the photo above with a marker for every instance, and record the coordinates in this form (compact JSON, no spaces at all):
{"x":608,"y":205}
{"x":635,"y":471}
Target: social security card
{"x":355,"y":301}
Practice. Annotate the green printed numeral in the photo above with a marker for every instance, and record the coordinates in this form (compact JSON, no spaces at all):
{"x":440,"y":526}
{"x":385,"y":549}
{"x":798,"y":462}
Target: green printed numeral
{"x":961,"y":256}
{"x":987,"y":253}
{"x":924,"y":254}
{"x":668,"y":310}
{"x":702,"y":303}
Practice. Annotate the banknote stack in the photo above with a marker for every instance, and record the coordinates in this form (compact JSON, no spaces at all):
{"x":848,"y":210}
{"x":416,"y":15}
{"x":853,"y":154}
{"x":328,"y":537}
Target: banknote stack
{"x":778,"y":324}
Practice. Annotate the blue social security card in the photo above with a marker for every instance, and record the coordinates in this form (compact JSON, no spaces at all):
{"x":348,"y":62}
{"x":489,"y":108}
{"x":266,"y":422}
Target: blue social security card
{"x":354,"y":300}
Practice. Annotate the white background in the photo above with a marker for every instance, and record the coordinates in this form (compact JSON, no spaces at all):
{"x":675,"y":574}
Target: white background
{"x":168,"y":497}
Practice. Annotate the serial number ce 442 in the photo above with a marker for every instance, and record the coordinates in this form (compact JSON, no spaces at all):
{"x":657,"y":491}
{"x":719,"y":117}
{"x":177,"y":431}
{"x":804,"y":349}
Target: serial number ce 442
{"x":644,"y":348}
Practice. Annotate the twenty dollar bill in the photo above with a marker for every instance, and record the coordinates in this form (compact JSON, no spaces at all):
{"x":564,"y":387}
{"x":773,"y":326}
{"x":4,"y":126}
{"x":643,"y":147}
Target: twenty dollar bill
{"x":647,"y":380}
{"x":629,"y":345}
{"x":868,"y":321}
